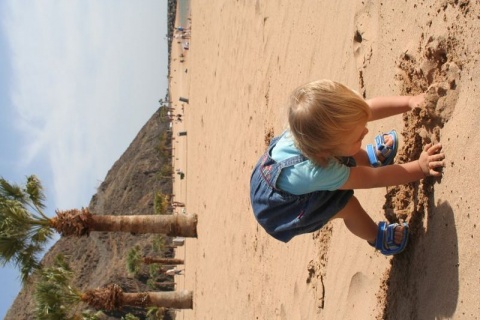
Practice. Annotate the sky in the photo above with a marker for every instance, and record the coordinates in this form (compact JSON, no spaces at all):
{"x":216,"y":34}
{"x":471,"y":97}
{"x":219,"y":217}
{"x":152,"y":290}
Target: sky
{"x":78,"y":80}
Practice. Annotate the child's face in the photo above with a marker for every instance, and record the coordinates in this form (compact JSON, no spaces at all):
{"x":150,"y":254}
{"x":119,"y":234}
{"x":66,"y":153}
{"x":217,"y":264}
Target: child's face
{"x":352,"y":142}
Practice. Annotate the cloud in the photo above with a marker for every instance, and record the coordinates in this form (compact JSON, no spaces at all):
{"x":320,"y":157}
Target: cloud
{"x":86,"y":76}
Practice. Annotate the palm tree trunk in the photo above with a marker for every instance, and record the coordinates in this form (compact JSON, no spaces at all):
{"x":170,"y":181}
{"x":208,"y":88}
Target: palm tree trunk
{"x":171,"y":225}
{"x":112,"y":297}
{"x":167,"y":261}
{"x":82,"y":222}
{"x":173,"y":299}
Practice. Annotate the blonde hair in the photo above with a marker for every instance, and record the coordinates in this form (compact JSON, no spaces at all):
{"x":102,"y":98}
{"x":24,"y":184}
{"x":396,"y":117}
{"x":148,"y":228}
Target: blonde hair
{"x":320,"y":113}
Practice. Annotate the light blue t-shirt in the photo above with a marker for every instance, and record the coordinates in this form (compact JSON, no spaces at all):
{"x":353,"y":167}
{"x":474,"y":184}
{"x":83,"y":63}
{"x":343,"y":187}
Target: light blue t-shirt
{"x":306,"y":177}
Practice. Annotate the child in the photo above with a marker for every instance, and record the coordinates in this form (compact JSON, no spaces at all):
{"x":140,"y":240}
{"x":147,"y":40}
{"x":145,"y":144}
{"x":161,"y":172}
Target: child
{"x":308,"y":173}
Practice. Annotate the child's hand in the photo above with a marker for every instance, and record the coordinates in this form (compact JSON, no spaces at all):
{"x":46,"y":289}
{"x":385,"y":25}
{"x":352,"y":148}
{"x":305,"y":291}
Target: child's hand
{"x":416,"y":101}
{"x":431,"y":160}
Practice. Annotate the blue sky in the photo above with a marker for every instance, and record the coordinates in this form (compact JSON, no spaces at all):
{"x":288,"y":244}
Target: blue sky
{"x":78,"y":80}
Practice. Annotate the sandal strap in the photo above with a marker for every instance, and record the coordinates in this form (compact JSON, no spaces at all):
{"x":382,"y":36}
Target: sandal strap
{"x":388,"y":152}
{"x":385,"y":241}
{"x":385,"y":150}
{"x":372,"y":156}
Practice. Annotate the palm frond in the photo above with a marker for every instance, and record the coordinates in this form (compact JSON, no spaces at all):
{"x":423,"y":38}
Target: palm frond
{"x":12,"y":211}
{"x":41,"y":234}
{"x":54,"y":294}
{"x":134,"y":260}
{"x":21,"y":245}
{"x":61,"y":262}
{"x":154,"y":269}
{"x":15,"y":212}
{"x":159,"y":244}
{"x":48,"y":298}
{"x":34,"y":189}
{"x":9,"y":246}
{"x":90,"y":315}
{"x":11,"y":191}
{"x":24,"y":229}
{"x":27,"y":261}
{"x":156,"y":313}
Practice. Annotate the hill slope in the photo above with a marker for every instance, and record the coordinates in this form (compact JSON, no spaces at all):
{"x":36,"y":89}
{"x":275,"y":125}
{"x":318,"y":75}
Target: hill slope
{"x":129,"y":188}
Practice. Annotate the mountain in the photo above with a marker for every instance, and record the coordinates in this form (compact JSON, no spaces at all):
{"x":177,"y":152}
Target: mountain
{"x":129,"y":188}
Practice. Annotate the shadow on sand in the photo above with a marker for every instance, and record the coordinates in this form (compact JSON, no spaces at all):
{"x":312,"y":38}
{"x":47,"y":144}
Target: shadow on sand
{"x":423,"y":282}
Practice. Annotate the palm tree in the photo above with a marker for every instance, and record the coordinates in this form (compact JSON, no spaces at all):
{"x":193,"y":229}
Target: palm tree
{"x":57,"y":298}
{"x":161,"y":203}
{"x":25,"y":228}
{"x":161,"y":285}
{"x":135,"y":259}
{"x":167,"y":261}
{"x":156,"y":313}
{"x":54,"y":297}
{"x":113,"y":298}
{"x":23,"y":232}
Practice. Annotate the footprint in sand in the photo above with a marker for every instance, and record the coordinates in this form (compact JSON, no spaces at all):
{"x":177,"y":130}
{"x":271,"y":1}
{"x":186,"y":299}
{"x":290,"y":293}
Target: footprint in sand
{"x":364,"y":35}
{"x":357,"y":291}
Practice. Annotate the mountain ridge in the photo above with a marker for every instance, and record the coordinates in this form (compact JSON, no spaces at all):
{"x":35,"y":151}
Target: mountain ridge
{"x":129,"y":188}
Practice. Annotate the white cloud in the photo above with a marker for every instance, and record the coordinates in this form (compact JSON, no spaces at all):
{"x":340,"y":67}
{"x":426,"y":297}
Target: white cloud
{"x":86,"y":76}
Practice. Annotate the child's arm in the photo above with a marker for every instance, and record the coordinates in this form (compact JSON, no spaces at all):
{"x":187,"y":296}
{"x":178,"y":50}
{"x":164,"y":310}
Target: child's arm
{"x":366,"y":177}
{"x":383,"y":107}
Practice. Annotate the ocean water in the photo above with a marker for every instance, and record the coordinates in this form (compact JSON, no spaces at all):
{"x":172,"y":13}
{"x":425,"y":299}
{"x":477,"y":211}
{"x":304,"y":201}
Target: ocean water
{"x":183,"y":12}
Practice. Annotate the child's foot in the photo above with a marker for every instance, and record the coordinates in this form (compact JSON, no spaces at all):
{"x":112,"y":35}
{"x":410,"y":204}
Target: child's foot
{"x":385,"y":149}
{"x":398,"y":237}
{"x":389,"y":142}
{"x":391,"y":238}
{"x":399,"y":234}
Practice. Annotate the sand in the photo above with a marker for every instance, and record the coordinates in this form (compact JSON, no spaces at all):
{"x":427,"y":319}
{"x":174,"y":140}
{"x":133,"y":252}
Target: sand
{"x":244,"y":59}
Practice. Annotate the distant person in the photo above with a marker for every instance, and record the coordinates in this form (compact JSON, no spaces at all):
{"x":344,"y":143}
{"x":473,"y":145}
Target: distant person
{"x":182,"y":36}
{"x":308,"y":173}
{"x":176,"y":204}
{"x":169,"y":109}
{"x":173,"y":272}
{"x":182,"y":30}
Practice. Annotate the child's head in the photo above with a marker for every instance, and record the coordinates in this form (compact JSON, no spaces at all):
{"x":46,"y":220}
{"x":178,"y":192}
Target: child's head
{"x":321,"y":114}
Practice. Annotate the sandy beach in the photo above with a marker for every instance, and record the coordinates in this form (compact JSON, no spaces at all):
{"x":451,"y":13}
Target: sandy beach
{"x":243,"y":60}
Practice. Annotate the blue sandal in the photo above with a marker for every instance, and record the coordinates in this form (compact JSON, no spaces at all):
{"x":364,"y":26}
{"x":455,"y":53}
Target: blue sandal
{"x":388,"y":152}
{"x":385,"y":241}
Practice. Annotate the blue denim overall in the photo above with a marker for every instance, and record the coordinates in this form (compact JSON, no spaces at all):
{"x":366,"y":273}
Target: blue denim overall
{"x":284,"y":215}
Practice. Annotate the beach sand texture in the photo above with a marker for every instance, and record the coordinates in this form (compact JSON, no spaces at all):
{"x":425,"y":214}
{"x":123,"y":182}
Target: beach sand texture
{"x":244,"y":59}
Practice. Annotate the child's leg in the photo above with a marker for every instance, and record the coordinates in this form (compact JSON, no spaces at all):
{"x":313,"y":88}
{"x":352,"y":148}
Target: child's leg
{"x":360,"y":223}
